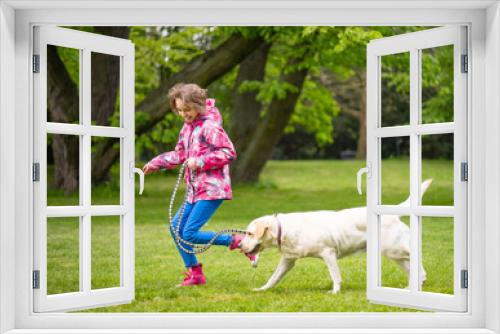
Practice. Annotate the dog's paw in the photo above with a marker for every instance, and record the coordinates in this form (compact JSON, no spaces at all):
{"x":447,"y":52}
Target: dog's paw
{"x":334,"y":291}
{"x":259,"y":289}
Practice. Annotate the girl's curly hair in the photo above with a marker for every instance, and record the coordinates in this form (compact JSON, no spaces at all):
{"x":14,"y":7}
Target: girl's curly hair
{"x":191,"y":94}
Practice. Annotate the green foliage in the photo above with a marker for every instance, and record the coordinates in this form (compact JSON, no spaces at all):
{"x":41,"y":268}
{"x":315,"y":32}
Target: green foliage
{"x":314,"y":112}
{"x":266,"y":32}
{"x":268,"y":89}
{"x":340,"y":50}
{"x":160,"y":52}
{"x":437,"y":77}
{"x":163,"y":51}
{"x":344,"y":49}
{"x":316,"y":107}
{"x":164,"y":132}
{"x":437,"y":84}
{"x":395,"y":72}
{"x":71,"y":60}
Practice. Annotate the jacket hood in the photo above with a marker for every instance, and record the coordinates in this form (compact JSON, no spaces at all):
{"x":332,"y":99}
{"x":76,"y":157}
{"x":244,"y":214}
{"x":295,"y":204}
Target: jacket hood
{"x":211,"y":112}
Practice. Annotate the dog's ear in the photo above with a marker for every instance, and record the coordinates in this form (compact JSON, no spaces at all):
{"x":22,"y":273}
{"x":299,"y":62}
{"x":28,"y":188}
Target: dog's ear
{"x":261,"y":227}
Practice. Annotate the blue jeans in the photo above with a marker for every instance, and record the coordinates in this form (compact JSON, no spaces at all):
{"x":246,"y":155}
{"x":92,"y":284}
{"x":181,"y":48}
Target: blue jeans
{"x":195,"y":216}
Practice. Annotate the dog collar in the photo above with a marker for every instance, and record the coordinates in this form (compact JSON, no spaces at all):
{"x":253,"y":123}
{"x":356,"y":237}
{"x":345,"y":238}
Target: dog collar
{"x":279,"y":231}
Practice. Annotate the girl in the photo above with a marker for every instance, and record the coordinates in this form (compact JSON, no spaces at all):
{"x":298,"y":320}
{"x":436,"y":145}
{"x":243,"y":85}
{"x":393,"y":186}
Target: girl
{"x":206,"y":148}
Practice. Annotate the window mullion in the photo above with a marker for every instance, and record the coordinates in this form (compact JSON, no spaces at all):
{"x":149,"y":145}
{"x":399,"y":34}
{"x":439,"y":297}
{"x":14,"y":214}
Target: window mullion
{"x":415,"y":165}
{"x":85,"y":157}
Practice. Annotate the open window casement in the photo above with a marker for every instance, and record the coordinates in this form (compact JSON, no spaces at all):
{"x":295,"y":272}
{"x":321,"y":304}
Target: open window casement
{"x":383,"y":55}
{"x":82,"y":220}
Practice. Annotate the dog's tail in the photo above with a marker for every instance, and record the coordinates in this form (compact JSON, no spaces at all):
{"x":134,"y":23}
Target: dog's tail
{"x":423,"y":188}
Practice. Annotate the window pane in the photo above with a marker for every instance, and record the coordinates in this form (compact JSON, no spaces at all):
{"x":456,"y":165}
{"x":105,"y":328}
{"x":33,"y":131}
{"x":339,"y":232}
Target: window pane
{"x":63,"y":84}
{"x":105,"y":186}
{"x":437,"y":84}
{"x":63,"y":255}
{"x":395,"y":170}
{"x":105,"y":251}
{"x":437,"y":164}
{"x":63,"y":169}
{"x":394,"y":251}
{"x":437,"y":253}
{"x":395,"y":89}
{"x":105,"y":89}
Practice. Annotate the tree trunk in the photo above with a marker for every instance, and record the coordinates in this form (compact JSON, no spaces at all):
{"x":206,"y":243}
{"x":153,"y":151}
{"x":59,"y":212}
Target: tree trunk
{"x":62,"y":107}
{"x":202,"y":70}
{"x":246,"y":107}
{"x":361,"y":148}
{"x":105,"y":78}
{"x":66,"y":162}
{"x":250,"y":163}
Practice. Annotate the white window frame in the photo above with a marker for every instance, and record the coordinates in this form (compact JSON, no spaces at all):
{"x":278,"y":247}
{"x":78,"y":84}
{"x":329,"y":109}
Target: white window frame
{"x":16,"y":20}
{"x":84,"y":43}
{"x":413,"y":44}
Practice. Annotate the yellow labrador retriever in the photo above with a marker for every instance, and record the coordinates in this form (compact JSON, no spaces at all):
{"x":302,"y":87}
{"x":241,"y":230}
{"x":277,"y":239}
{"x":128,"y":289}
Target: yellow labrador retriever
{"x":329,"y":235}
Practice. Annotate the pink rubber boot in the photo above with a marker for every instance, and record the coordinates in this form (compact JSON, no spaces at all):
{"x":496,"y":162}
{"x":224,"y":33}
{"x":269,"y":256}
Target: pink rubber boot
{"x":235,"y":243}
{"x":194,"y":276}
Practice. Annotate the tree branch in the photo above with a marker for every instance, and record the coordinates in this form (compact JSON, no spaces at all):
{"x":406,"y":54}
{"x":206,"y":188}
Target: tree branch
{"x":202,"y":70}
{"x":351,"y":112}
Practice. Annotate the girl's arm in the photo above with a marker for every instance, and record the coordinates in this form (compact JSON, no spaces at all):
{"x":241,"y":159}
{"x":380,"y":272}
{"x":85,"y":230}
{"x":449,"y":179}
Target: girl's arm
{"x":169,"y":160}
{"x":222,"y":149}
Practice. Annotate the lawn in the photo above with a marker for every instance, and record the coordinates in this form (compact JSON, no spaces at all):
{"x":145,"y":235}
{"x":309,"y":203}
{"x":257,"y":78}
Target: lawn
{"x":285,"y":186}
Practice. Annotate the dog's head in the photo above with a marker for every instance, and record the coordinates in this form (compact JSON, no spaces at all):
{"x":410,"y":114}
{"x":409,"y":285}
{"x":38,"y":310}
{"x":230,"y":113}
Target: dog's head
{"x":257,"y":236}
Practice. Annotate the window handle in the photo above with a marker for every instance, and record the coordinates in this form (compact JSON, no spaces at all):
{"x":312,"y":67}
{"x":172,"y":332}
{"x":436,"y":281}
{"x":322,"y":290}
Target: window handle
{"x":365,"y":170}
{"x":141,"y":176}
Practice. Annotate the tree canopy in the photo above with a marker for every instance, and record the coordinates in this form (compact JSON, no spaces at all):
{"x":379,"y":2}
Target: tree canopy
{"x":303,"y":88}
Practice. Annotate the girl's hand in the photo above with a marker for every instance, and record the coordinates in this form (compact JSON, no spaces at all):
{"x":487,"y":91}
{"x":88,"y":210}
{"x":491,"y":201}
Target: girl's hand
{"x":191,"y":163}
{"x":147,"y":169}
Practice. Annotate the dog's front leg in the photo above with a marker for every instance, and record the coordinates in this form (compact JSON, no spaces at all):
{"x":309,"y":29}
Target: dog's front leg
{"x":330,"y":259}
{"x":284,"y":266}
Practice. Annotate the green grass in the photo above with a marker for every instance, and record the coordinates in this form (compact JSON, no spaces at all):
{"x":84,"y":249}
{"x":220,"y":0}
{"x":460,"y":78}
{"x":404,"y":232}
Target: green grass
{"x":285,"y":186}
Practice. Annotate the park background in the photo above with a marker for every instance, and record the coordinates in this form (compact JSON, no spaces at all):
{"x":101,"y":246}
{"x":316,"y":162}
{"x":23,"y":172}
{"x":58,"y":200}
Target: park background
{"x":293,"y":100}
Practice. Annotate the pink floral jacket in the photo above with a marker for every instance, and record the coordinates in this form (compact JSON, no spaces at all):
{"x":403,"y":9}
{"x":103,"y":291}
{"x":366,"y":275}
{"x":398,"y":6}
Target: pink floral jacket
{"x":205,"y":140}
